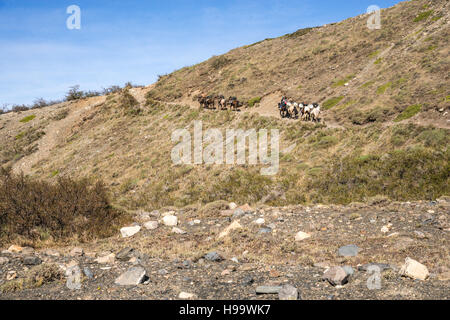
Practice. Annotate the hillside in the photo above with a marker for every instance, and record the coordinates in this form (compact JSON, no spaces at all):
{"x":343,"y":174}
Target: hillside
{"x":367,"y":187}
{"x":384,"y":130}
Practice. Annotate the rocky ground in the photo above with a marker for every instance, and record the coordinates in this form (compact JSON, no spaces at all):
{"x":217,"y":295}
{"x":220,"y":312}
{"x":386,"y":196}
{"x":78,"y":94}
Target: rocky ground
{"x":230,"y":252}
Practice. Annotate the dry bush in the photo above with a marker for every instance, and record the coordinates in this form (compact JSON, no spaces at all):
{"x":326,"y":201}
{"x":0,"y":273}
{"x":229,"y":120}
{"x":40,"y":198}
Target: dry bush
{"x":68,"y":209}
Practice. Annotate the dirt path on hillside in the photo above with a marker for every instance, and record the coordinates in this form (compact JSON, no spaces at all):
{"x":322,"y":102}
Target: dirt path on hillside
{"x":55,"y":132}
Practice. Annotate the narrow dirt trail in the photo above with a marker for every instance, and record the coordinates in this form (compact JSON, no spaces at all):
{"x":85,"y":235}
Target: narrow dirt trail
{"x":55,"y":133}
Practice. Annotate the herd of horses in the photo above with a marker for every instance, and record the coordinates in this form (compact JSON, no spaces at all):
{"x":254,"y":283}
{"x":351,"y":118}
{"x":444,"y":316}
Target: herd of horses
{"x":288,"y":109}
{"x":303,"y":111}
{"x":219,"y":102}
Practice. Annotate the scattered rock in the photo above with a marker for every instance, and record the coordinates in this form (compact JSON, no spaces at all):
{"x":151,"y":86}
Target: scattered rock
{"x":170,"y":220}
{"x":348,"y":270}
{"x":260,"y":221}
{"x":336,"y":276}
{"x":51,"y":253}
{"x":238,"y":213}
{"x":232,"y":205}
{"x":88,"y":273}
{"x":31,"y":261}
{"x":349,"y":251}
{"x":213,"y":256}
{"x":268,"y":289}
{"x":11,"y":275}
{"x":288,"y":292}
{"x":132,"y":277}
{"x":265,"y":230}
{"x":27,"y":251}
{"x":381,"y":266}
{"x":186,"y":296}
{"x":108,"y":259}
{"x":302,"y":236}
{"x":15,"y":249}
{"x":178,"y":230}
{"x":414,"y":269}
{"x":3,"y":260}
{"x":125,"y":254}
{"x":233,"y":226}
{"x":129,"y":231}
{"x":76,"y":252}
{"x":151,"y":225}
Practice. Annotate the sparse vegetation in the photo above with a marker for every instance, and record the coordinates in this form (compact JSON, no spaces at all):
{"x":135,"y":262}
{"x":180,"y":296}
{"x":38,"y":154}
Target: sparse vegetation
{"x":67,"y":209}
{"x":28,"y":118}
{"x":330,"y":103}
{"x":408,"y":112}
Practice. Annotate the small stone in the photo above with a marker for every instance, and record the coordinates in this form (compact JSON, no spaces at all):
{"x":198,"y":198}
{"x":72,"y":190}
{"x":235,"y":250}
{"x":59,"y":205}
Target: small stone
{"x":163,"y":272}
{"x":186,"y":296}
{"x":51,"y":253}
{"x":76,"y":252}
{"x":178,"y":230}
{"x":225,"y":272}
{"x":15,"y":249}
{"x":31,"y":261}
{"x":248,"y":280}
{"x":419,"y":234}
{"x":151,"y":225}
{"x":349,"y":251}
{"x":232,"y":205}
{"x":170,"y":220}
{"x":414,"y":269}
{"x":132,"y":277}
{"x":302,"y":236}
{"x":88,"y":273}
{"x":260,"y":221}
{"x":108,"y":259}
{"x":3,"y":260}
{"x":268,"y":289}
{"x":288,"y":292}
{"x":348,"y":270}
{"x":246,"y":208}
{"x":125,"y":254}
{"x":129,"y":231}
{"x":213,"y":256}
{"x":233,"y":226}
{"x":235,"y":260}
{"x":264,"y":230}
{"x":196,"y":221}
{"x":27,"y":251}
{"x":381,"y":266}
{"x":238,"y":213}
{"x":11,"y":275}
{"x":336,"y":276}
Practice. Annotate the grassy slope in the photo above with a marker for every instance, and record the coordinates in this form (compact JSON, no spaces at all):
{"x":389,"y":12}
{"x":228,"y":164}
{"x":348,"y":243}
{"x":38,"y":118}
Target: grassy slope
{"x":369,"y":154}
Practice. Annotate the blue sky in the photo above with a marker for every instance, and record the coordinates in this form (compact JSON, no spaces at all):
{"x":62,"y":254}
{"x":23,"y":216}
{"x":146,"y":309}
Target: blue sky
{"x":133,"y":40}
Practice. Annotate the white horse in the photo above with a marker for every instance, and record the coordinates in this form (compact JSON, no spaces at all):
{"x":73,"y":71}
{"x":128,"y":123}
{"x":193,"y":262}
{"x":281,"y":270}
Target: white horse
{"x":315,"y":114}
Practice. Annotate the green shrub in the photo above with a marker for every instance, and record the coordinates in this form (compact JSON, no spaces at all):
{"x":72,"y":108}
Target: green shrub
{"x":68,"y":208}
{"x":330,"y":103}
{"x":28,"y":118}
{"x":408,"y":112}
{"x":423,"y":16}
{"x":253,"y":101}
{"x":382,"y":89}
{"x":401,"y":175}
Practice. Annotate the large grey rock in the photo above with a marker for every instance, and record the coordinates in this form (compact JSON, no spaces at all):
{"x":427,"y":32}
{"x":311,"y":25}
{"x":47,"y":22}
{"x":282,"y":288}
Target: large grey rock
{"x":132,"y":277}
{"x":288,"y":292}
{"x":336,"y":276}
{"x":129,"y":231}
{"x":349,"y":251}
{"x":268,"y":289}
{"x":349,"y":270}
{"x":238,"y":213}
{"x":151,"y":225}
{"x":88,"y":272}
{"x":31,"y":261}
{"x":213,"y":256}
